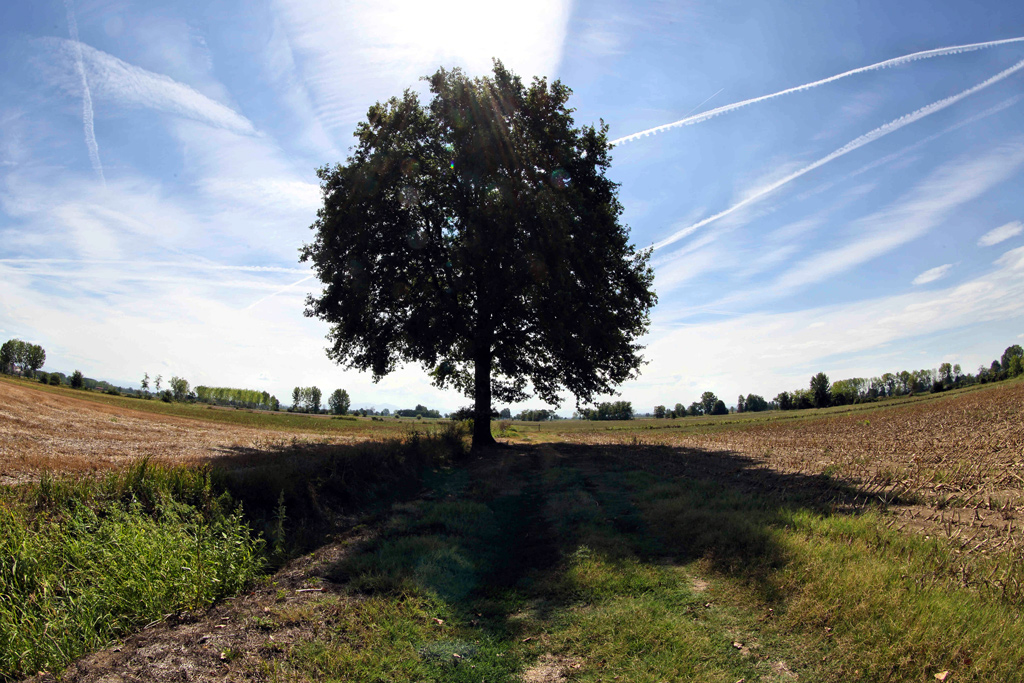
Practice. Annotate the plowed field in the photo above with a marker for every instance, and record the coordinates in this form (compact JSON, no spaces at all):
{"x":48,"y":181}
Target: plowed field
{"x":40,"y":430}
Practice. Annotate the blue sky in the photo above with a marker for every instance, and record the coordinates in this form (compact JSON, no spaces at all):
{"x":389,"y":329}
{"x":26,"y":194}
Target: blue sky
{"x":157,"y":177}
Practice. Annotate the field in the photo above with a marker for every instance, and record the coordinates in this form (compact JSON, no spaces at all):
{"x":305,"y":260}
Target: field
{"x":871,"y":543}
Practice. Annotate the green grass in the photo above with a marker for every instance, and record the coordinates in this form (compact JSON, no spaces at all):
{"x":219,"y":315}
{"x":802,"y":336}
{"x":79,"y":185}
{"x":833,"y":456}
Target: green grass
{"x":627,"y":568}
{"x":87,"y":560}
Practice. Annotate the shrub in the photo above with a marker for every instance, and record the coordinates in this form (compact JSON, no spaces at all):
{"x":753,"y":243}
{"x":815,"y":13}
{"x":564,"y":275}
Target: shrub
{"x":54,"y":380}
{"x":44,"y":378}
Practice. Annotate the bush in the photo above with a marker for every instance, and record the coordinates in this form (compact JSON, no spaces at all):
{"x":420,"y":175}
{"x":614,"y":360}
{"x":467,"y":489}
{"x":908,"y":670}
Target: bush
{"x":54,"y":380}
{"x":44,"y":378}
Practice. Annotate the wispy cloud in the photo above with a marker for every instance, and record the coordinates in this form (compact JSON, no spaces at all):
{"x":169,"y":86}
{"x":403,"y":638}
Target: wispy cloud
{"x":1001,"y":234}
{"x":933,"y":274}
{"x":925,"y":207}
{"x":132,"y":86}
{"x":926,"y":54}
{"x":87,"y":113}
{"x":859,"y":142}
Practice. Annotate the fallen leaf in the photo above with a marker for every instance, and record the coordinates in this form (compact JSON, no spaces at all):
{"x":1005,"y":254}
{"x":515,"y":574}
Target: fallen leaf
{"x":942,"y":675}
{"x":737,"y":644}
{"x":438,"y":621}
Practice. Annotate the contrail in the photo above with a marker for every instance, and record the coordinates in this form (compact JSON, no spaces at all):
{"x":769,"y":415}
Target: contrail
{"x":87,"y":117}
{"x":1005,"y":104}
{"x":926,"y":54}
{"x":280,"y":291}
{"x":871,"y":136}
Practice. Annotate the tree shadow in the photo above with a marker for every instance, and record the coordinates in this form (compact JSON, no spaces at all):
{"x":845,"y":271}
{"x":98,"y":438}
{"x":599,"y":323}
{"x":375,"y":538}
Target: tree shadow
{"x":508,"y":526}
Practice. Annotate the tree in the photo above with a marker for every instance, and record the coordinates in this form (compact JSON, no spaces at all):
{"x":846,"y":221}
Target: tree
{"x":659,"y":412}
{"x":480,"y":237}
{"x":755,"y":403}
{"x":719,"y":408}
{"x":314,"y":399}
{"x":707,"y":402}
{"x":679,"y":410}
{"x":1011,"y":352}
{"x":77,"y":380}
{"x":339,"y":402}
{"x":9,"y":353}
{"x":946,"y":373}
{"x":34,"y":358}
{"x":54,"y":379}
{"x":740,"y":404}
{"x":784,"y":400}
{"x":695,"y":409}
{"x":179,"y":388}
{"x":156,"y":382}
{"x":145,"y":382}
{"x":821,"y":391}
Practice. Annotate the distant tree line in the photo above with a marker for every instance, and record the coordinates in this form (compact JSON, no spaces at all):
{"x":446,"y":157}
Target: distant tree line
{"x":419,"y":412}
{"x":709,"y":404}
{"x":616,"y":410}
{"x":821,"y":393}
{"x":237,"y":398}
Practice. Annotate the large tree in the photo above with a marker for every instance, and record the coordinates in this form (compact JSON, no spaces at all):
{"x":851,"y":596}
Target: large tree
{"x":480,"y":237}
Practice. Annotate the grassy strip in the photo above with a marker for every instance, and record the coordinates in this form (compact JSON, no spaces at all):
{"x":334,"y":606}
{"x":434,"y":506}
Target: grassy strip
{"x":85,"y":561}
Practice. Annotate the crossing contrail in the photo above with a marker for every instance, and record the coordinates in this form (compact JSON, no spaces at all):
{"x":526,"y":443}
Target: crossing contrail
{"x":87,"y":115}
{"x":926,"y":54}
{"x":857,"y":143}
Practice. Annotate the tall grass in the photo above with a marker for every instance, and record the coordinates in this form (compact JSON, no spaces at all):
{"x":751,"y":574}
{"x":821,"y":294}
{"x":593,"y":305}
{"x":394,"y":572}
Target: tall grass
{"x":87,"y":560}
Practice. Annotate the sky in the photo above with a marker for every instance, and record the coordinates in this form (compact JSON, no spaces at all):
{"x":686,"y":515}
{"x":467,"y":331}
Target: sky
{"x":828,"y":186}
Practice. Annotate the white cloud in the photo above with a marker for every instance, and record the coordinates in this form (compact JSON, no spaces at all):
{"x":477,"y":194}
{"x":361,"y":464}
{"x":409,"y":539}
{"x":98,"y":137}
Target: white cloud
{"x":932,"y":274}
{"x":1001,"y":234}
{"x":132,"y":86}
{"x":770,"y":352}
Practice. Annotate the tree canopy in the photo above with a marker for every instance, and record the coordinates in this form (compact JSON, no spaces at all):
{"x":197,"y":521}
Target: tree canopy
{"x":480,"y":237}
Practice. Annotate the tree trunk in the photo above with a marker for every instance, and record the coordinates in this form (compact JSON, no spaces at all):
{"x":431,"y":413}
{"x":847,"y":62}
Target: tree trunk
{"x":482,"y":396}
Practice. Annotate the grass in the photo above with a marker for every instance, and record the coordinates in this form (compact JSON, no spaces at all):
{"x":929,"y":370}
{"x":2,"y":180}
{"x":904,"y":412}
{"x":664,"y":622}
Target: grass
{"x":617,"y":566}
{"x":87,"y":560}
